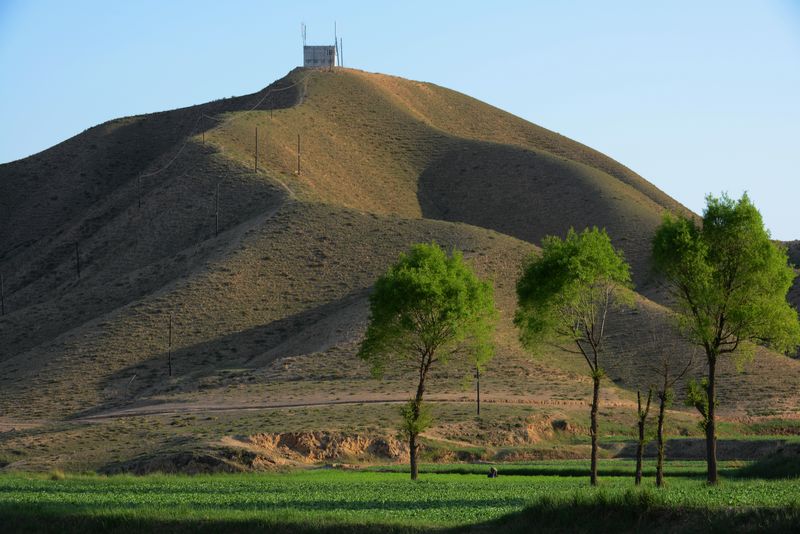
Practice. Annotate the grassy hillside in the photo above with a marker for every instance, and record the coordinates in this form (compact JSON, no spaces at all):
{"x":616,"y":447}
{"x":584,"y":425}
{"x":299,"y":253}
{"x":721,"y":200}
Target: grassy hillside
{"x":269,"y":310}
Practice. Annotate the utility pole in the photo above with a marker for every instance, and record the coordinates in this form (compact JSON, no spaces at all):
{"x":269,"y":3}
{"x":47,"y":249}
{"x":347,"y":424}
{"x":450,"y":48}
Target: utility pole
{"x":478,"y":387}
{"x":256,"y":164}
{"x":298,"y":154}
{"x":216,"y":212}
{"x":2,"y":295}
{"x":77,"y":261}
{"x":169,"y":346}
{"x":129,"y":384}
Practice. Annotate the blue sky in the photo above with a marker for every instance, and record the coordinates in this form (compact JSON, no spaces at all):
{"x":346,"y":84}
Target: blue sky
{"x":697,"y":97}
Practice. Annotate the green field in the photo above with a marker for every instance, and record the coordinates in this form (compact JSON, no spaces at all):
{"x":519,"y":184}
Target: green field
{"x":553,"y":494}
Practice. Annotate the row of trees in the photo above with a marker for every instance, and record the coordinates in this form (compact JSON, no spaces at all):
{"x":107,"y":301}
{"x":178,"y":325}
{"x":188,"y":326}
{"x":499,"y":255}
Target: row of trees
{"x":728,"y":282}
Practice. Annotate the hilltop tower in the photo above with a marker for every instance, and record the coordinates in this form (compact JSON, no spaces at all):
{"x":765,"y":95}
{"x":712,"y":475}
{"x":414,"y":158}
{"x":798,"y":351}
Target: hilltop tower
{"x":320,"y":56}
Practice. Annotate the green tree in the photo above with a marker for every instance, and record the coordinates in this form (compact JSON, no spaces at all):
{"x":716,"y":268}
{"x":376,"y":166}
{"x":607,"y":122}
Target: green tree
{"x":564,"y":296}
{"x":729,"y":281}
{"x":428,"y":309}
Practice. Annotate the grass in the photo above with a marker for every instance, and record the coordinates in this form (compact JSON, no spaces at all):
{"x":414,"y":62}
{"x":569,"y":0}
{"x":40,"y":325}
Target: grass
{"x":358,"y":501}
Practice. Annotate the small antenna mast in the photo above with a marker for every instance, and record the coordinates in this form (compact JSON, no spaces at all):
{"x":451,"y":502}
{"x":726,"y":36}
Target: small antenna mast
{"x":303,"y":32}
{"x":336,"y":45}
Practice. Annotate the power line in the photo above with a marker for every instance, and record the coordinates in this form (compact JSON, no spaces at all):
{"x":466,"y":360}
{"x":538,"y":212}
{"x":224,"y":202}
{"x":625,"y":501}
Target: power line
{"x":223,"y":121}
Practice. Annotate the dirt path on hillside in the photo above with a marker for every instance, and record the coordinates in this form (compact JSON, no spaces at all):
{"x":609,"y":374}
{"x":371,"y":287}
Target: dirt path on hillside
{"x":181,"y":408}
{"x":178,"y":408}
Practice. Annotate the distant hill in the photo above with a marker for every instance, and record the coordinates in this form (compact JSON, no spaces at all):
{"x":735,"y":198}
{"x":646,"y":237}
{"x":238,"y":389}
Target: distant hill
{"x":793,"y":250}
{"x":275,"y":304}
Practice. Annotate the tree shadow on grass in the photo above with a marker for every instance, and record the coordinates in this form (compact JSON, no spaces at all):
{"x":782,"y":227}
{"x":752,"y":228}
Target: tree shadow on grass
{"x":624,"y":468}
{"x":29,"y":520}
{"x":782,"y":464}
{"x":633,"y":512}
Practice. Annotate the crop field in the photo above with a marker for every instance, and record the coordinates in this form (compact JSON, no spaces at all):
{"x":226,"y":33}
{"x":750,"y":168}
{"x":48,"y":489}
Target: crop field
{"x":452,"y":498}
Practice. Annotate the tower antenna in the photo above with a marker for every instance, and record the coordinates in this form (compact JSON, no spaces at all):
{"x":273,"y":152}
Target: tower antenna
{"x":336,"y":46}
{"x":303,"y":32}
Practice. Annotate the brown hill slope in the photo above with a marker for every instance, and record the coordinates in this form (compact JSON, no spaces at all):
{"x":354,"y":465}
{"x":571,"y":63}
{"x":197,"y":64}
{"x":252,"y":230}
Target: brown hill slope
{"x":130,"y":194}
{"x":365,"y":147}
{"x":286,"y":279}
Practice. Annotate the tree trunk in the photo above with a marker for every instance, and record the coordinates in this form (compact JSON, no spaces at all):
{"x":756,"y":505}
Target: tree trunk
{"x":642,"y":414}
{"x":478,"y":388}
{"x":662,"y":408}
{"x":711,"y":434}
{"x":639,"y":453}
{"x":413,"y":446}
{"x":412,"y":453}
{"x":593,"y":430}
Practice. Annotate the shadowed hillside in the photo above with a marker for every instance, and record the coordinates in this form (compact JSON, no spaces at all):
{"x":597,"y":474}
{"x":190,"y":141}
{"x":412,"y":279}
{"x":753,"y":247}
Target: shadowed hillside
{"x":264,"y":273}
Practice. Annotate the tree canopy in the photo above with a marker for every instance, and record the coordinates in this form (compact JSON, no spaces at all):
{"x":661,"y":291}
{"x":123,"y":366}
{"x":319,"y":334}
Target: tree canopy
{"x":729,"y":279}
{"x":429,"y":304}
{"x":565,"y":293}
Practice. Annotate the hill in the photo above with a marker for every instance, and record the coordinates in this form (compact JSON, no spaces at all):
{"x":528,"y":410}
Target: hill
{"x":161,"y":228}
